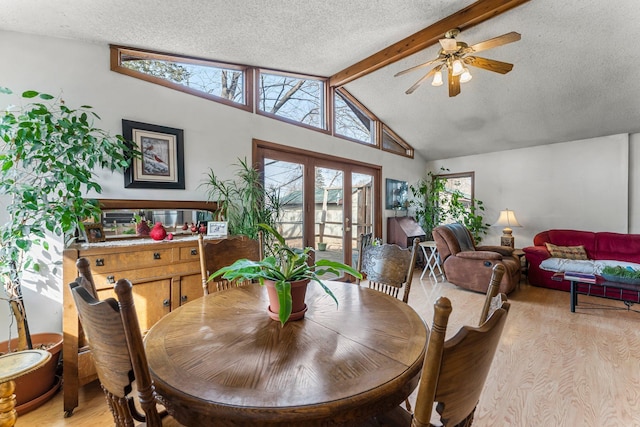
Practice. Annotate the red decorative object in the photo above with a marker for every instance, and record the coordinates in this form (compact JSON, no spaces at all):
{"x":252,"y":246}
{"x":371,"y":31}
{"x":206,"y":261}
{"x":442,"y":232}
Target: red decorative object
{"x":194,"y":228}
{"x":158,"y":232}
{"x":170,"y":236}
{"x":185,"y":226}
{"x":142,"y":228}
{"x":203,"y":228}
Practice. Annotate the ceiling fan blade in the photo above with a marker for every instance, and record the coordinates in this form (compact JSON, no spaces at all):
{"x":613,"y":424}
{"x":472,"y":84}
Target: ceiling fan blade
{"x":488,"y":64}
{"x":449,"y":45}
{"x":454,"y":84}
{"x":408,"y":70}
{"x":496,"y":41}
{"x":425,"y":77}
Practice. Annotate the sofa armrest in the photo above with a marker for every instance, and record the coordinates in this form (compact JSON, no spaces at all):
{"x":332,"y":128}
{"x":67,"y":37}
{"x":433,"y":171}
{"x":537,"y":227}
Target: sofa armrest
{"x":482,"y":255}
{"x":540,"y":252}
{"x":502,"y":250}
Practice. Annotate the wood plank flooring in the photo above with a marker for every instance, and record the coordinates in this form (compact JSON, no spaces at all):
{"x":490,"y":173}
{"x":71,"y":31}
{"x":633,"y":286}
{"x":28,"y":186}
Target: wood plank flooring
{"x":552,"y":368}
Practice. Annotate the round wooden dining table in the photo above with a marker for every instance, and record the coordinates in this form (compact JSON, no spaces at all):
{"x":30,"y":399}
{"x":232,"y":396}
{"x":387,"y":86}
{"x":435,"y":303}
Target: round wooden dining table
{"x":221,"y":361}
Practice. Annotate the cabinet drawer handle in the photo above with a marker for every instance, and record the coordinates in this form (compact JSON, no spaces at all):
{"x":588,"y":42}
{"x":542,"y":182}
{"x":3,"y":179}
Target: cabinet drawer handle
{"x":194,"y":252}
{"x":111,"y":279}
{"x":183,"y":298}
{"x":156,"y":255}
{"x":100,"y":262}
{"x":166,"y":303}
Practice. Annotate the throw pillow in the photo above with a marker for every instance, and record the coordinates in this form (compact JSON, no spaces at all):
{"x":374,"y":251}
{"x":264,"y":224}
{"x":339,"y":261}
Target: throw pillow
{"x":568,"y":252}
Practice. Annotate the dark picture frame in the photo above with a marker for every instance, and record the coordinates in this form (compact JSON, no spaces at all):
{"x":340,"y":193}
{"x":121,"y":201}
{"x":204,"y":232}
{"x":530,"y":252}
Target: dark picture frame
{"x":397,"y":195}
{"x":94,"y":232}
{"x":162,"y":161}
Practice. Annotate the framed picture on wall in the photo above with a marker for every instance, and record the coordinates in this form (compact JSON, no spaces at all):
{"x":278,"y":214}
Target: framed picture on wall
{"x":162,"y":162}
{"x":397,"y":195}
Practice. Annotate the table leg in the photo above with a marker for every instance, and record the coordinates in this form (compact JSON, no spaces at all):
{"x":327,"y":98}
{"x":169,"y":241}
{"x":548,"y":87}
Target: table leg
{"x":432,"y":262}
{"x":8,"y":414}
{"x":574,"y":297}
{"x":426,"y":261}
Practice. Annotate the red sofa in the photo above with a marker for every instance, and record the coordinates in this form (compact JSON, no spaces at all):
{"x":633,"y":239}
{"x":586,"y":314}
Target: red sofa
{"x":598,"y":246}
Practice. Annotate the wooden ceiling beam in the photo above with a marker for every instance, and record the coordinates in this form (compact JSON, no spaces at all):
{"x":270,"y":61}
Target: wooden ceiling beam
{"x":463,"y":19}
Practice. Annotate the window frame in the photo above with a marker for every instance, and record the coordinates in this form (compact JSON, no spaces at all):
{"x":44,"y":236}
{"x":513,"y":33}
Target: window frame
{"x":116,"y":65}
{"x":375,"y":134}
{"x":409,"y":151}
{"x":251,"y":93}
{"x":324,"y":104}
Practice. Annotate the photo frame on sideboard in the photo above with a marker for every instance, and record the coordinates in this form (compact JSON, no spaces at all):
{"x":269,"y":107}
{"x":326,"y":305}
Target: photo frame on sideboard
{"x":161,"y":164}
{"x":94,"y":232}
{"x":217,"y":229}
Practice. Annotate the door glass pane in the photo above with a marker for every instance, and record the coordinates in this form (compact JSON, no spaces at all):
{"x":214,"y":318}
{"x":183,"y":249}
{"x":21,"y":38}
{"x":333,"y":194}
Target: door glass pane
{"x":329,"y":215}
{"x":361,"y":210}
{"x":287,"y":179}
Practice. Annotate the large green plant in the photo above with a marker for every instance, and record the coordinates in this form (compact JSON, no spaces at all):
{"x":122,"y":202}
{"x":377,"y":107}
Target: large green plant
{"x":244,"y":201}
{"x":48,"y":153}
{"x":435,"y":205}
{"x":283,"y":266}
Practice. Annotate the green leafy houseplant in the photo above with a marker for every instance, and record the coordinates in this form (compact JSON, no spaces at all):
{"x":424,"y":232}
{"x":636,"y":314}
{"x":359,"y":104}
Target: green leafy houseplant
{"x":435,"y":205}
{"x":48,"y":153}
{"x":621,"y":272}
{"x":283,"y":266}
{"x":244,"y":202}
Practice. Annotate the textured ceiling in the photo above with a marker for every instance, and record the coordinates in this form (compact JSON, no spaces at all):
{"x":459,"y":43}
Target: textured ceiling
{"x":575,"y":74}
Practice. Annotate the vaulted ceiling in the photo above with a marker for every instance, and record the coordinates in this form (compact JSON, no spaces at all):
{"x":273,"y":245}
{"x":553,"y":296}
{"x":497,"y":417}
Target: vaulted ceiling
{"x":575,"y":72}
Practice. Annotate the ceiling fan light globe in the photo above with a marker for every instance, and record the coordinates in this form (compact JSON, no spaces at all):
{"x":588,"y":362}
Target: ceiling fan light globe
{"x":456,"y":67}
{"x":465,"y":76}
{"x":437,"y":79}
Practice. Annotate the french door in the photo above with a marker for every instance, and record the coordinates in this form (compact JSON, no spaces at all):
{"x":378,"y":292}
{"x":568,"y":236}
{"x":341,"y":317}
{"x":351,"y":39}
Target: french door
{"x":327,"y":202}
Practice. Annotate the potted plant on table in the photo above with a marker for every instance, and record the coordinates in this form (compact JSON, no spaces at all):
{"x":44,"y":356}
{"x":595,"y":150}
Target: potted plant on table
{"x":286,"y":273}
{"x":48,"y":153}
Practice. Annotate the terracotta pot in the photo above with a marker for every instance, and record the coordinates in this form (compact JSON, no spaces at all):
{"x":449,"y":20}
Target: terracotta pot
{"x":36,"y":387}
{"x":298,"y":307}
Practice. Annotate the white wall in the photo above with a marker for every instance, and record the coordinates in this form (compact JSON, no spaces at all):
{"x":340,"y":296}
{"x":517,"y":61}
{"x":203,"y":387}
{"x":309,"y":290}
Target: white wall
{"x":215,"y":135}
{"x":581,"y":185}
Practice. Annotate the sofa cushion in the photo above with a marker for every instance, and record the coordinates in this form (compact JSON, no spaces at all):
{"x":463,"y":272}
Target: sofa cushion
{"x":574,"y":238}
{"x":622,"y":247}
{"x":568,"y":252}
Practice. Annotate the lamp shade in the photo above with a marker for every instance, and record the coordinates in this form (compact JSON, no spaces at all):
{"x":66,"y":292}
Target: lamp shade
{"x":507,"y":219}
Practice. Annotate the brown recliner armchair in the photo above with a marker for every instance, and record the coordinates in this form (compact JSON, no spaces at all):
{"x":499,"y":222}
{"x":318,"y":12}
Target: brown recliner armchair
{"x":470,"y":267}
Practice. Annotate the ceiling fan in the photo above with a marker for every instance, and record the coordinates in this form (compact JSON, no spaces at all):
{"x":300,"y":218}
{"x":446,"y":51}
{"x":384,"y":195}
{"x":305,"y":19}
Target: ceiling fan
{"x":455,"y":55}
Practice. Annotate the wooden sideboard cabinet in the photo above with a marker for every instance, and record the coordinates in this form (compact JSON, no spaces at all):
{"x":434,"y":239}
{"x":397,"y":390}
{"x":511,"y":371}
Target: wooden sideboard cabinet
{"x":164,"y":275}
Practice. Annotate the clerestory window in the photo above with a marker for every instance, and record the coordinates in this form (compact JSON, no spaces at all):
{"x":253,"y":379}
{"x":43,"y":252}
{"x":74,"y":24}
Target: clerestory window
{"x":352,"y":120}
{"x":294,"y":98}
{"x":221,"y":82}
{"x":298,"y":99}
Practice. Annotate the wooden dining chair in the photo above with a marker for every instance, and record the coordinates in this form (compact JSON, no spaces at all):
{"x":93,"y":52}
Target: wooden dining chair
{"x":388,"y":267}
{"x":454,"y":371}
{"x":221,"y":253}
{"x":113,"y":334}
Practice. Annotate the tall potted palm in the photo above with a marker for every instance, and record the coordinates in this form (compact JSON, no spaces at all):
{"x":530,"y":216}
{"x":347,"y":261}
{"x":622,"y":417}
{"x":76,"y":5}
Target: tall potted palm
{"x":48,"y":154}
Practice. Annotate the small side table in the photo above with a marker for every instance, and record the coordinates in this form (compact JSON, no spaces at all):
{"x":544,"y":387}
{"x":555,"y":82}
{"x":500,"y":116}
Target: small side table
{"x":13,"y":365}
{"x":430,"y":259}
{"x":524,"y":264}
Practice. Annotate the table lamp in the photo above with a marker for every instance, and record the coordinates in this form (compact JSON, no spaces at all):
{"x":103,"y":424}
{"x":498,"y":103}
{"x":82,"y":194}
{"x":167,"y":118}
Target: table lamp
{"x":507,"y":219}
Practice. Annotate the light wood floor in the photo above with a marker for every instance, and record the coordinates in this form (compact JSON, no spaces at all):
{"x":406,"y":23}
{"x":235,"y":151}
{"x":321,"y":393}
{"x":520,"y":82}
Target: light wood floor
{"x":552,"y":368}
